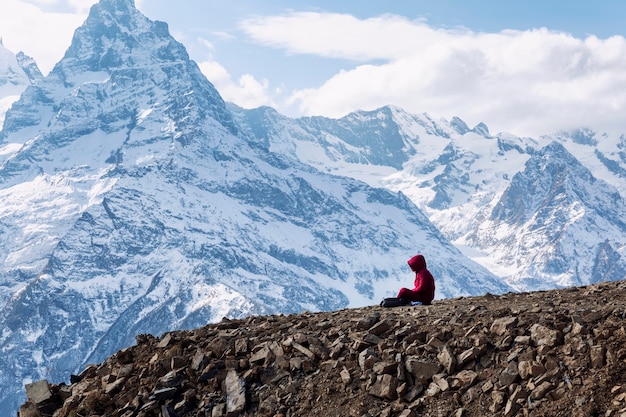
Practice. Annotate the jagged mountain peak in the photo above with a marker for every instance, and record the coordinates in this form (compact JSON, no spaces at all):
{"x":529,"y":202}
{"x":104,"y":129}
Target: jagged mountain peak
{"x":13,"y":79}
{"x":552,"y":177}
{"x":17,"y":72}
{"x":582,"y":136}
{"x":29,"y":66}
{"x":118,"y":6}
{"x":137,"y":204}
{"x":555,"y":224}
{"x":112,"y":34}
{"x":481,"y":129}
{"x":119,"y":70}
{"x":386,"y":136}
{"x":459,"y":125}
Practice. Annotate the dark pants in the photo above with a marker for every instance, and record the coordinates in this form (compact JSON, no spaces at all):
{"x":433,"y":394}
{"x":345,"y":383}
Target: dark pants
{"x":411,"y":295}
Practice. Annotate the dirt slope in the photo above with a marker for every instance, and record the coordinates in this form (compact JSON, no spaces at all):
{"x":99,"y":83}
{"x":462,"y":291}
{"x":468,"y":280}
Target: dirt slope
{"x":552,"y":353}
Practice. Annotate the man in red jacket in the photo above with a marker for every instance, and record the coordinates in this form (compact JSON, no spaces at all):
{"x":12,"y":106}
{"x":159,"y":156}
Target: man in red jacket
{"x":424,"y":285}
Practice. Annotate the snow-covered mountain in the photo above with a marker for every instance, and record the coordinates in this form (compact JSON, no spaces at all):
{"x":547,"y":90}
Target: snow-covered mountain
{"x":16,"y":73}
{"x":133,"y":201}
{"x":560,"y":224}
{"x":540,"y":213}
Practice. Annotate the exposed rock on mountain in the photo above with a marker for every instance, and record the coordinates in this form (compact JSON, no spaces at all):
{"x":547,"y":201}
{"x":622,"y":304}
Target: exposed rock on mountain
{"x":29,"y":66}
{"x":553,"y":353}
{"x":539,"y":213}
{"x":136,"y":203}
{"x":553,"y":212}
{"x":134,"y":200}
{"x":16,"y":73}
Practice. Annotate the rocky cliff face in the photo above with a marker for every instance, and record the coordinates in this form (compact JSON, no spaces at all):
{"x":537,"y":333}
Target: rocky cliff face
{"x":558,"y":352}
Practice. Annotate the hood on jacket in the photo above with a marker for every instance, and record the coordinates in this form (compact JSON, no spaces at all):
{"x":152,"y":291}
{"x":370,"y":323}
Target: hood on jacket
{"x":417,"y":263}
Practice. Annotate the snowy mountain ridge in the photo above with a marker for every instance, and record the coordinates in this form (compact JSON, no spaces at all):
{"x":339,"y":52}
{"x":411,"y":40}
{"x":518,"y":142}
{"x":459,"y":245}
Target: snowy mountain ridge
{"x":16,"y":73}
{"x":464,"y":178}
{"x":133,"y":201}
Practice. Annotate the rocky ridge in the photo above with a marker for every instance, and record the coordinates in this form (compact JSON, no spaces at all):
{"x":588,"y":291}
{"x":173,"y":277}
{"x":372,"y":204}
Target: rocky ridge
{"x":549,"y":353}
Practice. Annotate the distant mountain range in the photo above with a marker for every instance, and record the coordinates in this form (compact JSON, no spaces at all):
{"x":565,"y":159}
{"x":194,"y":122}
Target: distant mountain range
{"x":539,"y":213}
{"x":16,"y":73}
{"x":133,"y":199}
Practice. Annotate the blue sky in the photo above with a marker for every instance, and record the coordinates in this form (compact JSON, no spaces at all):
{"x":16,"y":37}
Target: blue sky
{"x":524,"y":67}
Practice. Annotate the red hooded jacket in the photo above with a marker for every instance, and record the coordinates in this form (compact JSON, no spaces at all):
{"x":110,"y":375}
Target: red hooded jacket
{"x":424,"y":284}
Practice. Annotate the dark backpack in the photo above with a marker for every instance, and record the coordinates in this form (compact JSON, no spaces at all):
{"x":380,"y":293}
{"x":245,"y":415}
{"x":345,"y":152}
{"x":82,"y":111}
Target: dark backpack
{"x":394,"y":302}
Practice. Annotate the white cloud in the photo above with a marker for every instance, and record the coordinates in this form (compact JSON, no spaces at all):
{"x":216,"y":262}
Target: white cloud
{"x":246,"y":92}
{"x":340,"y":35}
{"x":81,"y":6}
{"x":526,"y":82}
{"x":206,"y":43}
{"x":42,"y":35}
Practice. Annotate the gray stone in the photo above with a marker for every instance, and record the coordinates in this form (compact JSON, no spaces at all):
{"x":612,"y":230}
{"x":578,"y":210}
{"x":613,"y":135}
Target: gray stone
{"x":235,"y":393}
{"x":115,"y":387}
{"x":597,"y":356}
{"x":498,"y":398}
{"x":241,"y":346}
{"x":38,"y":392}
{"x":218,"y":410}
{"x":407,"y":412}
{"x":441,"y":381}
{"x":173,"y":379}
{"x":307,"y":352}
{"x":433,"y":390}
{"x":372,"y":339}
{"x":345,"y":376}
{"x":530,"y":369}
{"x":384,"y":387}
{"x":503,"y":325}
{"x":511,"y":408}
{"x":509,"y":374}
{"x":385,"y":368}
{"x":367,"y":359}
{"x":29,"y":409}
{"x":199,"y":361}
{"x":380,"y":328}
{"x":261,"y":355}
{"x":467,"y":355}
{"x":423,"y":371}
{"x":465,"y":378}
{"x":543,"y":336}
{"x":447,"y":359}
{"x":163,"y":394}
{"x":540,"y":392}
{"x":165,"y":341}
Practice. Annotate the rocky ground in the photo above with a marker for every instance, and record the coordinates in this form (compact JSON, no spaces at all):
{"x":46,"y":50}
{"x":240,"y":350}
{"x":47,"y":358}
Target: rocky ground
{"x":552,"y":353}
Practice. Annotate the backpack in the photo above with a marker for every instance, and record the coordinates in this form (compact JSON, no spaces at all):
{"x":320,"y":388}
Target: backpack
{"x":394,"y":302}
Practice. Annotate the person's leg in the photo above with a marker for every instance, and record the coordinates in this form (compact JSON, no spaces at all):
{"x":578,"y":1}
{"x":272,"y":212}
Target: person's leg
{"x":405,"y":295}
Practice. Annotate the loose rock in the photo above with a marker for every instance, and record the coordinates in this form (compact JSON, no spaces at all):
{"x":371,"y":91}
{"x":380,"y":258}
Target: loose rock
{"x":548,"y":353}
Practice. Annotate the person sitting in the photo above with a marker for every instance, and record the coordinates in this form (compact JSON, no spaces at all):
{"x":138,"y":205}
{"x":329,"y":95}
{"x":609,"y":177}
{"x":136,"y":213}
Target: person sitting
{"x":424,"y":284}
